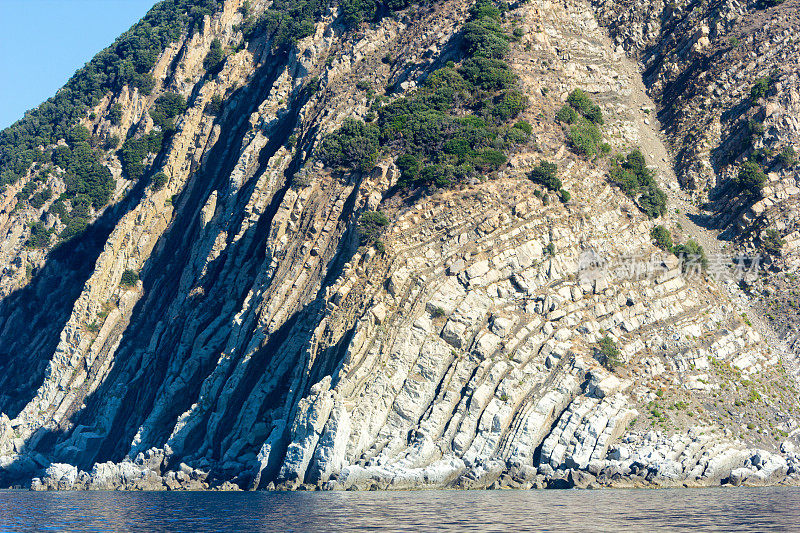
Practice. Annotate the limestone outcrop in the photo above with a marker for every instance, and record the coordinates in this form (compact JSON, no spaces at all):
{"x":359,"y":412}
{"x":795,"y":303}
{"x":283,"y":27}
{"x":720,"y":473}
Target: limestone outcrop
{"x":264,"y":347}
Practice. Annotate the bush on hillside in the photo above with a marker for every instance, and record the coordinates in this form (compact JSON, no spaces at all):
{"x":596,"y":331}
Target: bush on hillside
{"x":355,"y":145}
{"x":691,"y":253}
{"x":129,"y":278}
{"x":585,"y":139}
{"x":788,"y":157}
{"x":608,"y":353}
{"x":581,"y":102}
{"x":213,"y":61}
{"x":773,"y":242}
{"x":750,"y":179}
{"x":159,"y":180}
{"x":662,"y":238}
{"x":545,"y":174}
{"x":370,"y":226}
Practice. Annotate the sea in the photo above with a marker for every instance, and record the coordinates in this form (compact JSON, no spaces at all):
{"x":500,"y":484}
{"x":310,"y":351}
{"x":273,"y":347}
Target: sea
{"x":715,"y":509}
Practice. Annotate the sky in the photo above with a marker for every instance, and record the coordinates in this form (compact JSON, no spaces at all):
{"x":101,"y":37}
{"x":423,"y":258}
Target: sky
{"x":43,"y":42}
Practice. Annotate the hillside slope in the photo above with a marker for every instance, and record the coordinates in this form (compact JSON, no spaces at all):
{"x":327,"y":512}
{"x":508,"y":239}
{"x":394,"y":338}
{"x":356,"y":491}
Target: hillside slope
{"x":259,"y":303}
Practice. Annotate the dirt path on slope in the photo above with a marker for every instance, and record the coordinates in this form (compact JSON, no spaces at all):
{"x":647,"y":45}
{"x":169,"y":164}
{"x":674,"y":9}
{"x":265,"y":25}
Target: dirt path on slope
{"x":686,"y":215}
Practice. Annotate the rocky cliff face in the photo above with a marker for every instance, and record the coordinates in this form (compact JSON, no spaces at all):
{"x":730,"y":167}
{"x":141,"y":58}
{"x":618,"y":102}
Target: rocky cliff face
{"x":263,"y":346}
{"x":725,"y":75}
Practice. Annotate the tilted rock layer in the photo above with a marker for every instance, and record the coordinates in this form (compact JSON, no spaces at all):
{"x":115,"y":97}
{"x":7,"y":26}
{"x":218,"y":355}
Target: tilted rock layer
{"x":264,"y":347}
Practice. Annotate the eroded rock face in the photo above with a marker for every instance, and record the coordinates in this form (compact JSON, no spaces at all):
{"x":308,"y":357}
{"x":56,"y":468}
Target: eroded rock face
{"x":263,"y":347}
{"x":727,"y":79}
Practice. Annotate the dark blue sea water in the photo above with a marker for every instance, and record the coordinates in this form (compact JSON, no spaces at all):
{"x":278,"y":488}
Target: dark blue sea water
{"x":741,"y":509}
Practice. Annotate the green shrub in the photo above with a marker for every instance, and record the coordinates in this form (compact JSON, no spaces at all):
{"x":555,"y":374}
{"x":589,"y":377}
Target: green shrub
{"x":581,"y":102}
{"x":755,"y":128}
{"x":524,"y":126}
{"x":355,"y":145}
{"x":409,"y":167}
{"x":585,"y":138}
{"x":74,"y":227}
{"x":286,"y":22}
{"x":312,"y":86}
{"x":167,"y":106}
{"x":545,"y":174}
{"x":370,"y":226}
{"x":159,"y":180}
{"x":85,"y":174}
{"x":40,"y":236}
{"x":567,"y":115}
{"x":608,"y":353}
{"x":564,"y":196}
{"x":630,"y":172}
{"x":509,"y":104}
{"x":773,"y":242}
{"x":356,"y":11}
{"x":213,"y":61}
{"x":134,"y":150}
{"x":214,"y":106}
{"x":759,"y":90}
{"x":788,"y":157}
{"x":691,"y":253}
{"x":115,"y":114}
{"x":489,"y":159}
{"x":484,"y":9}
{"x":761,"y":154}
{"x":516,"y":136}
{"x":40,"y":198}
{"x":78,"y":134}
{"x":662,"y":238}
{"x":129,"y":278}
{"x":653,"y":202}
{"x":485,"y":38}
{"x":439,"y":175}
{"x":488,"y":74}
{"x":112,"y":142}
{"x":131,"y":155}
{"x":62,"y":156}
{"x":750,"y":179}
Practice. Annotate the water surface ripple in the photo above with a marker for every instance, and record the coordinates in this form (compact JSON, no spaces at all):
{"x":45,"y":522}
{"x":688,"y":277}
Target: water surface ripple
{"x":751,"y":509}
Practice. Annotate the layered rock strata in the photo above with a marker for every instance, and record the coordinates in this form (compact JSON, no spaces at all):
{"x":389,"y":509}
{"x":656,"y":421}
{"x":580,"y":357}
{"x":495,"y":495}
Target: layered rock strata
{"x":264,"y":347}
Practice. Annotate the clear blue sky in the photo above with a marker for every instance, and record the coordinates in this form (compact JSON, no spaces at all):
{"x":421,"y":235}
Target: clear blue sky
{"x":43,"y":42}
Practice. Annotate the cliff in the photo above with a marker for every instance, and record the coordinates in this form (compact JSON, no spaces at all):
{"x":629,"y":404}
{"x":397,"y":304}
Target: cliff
{"x":234,"y":323}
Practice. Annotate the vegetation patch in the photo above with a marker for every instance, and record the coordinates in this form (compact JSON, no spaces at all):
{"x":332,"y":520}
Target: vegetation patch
{"x":354,"y":146}
{"x":129,"y":278}
{"x":607,"y":352}
{"x":370,"y":228}
{"x":583,"y":117}
{"x":545,"y":174}
{"x":691,"y":254}
{"x":662,"y":238}
{"x":126,"y":62}
{"x":750,"y":179}
{"x":40,"y":236}
{"x":788,"y":157}
{"x":454,"y":126}
{"x":772,"y":242}
{"x":630,"y":173}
